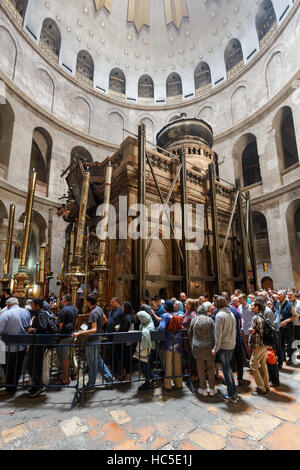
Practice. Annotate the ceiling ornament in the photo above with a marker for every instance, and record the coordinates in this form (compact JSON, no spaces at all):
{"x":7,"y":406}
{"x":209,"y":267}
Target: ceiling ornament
{"x":175,"y":11}
{"x":102,"y":3}
{"x":139,"y":13}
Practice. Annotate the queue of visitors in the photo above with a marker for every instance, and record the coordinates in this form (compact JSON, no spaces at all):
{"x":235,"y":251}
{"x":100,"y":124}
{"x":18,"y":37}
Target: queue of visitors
{"x":256,"y":331}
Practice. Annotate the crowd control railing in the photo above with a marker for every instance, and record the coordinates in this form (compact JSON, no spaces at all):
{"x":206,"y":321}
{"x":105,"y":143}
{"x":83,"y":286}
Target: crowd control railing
{"x":98,"y":361}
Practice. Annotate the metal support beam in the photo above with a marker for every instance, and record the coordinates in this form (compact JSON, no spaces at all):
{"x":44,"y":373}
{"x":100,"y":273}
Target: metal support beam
{"x":243,"y":236}
{"x":252,"y":244}
{"x":215,"y":227}
{"x":142,"y":201}
{"x":184,"y":222}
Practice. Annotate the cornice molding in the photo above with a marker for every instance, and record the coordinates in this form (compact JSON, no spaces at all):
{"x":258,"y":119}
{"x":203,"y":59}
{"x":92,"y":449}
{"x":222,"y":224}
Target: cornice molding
{"x":178,"y":105}
{"x":276,"y":193}
{"x":19,"y":192}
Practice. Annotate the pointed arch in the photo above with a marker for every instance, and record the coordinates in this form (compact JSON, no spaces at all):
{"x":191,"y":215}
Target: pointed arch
{"x":233,"y":54}
{"x":50,"y":37}
{"x":85,"y":65}
{"x":202,"y":75}
{"x":265,"y":19}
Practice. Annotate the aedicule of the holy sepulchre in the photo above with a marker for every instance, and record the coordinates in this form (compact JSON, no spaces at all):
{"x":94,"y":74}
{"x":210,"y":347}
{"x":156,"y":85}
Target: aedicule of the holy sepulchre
{"x":149,"y":227}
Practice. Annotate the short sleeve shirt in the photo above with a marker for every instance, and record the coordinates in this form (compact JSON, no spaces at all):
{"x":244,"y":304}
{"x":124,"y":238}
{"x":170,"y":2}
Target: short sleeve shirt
{"x":68,"y":315}
{"x":96,"y":316}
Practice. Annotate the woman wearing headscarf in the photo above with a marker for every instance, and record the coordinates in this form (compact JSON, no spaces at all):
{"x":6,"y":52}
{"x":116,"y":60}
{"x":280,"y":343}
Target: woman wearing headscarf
{"x":127,"y":320}
{"x":143,"y":350}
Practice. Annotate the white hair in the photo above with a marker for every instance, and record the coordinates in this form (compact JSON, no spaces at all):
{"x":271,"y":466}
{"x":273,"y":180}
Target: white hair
{"x":12,"y":301}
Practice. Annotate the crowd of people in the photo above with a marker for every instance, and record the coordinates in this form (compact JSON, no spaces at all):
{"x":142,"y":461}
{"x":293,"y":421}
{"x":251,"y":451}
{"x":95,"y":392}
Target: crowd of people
{"x":223,"y":332}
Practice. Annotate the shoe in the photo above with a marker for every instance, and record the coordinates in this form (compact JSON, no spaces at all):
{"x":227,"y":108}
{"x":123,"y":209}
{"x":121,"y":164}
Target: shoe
{"x":213,"y":392}
{"x":203,"y":392}
{"x":37,"y":393}
{"x":233,"y":399}
{"x":243,"y":382}
{"x":144,"y":386}
{"x":268,"y":390}
{"x":258,"y":392}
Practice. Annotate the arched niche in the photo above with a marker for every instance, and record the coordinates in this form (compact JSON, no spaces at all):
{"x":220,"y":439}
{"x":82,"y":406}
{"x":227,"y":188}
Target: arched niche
{"x":233,"y":55}
{"x":81,"y":154}
{"x":174,"y":85}
{"x":117,"y":81}
{"x":116,"y":128}
{"x":157,"y":264}
{"x":202,"y":75}
{"x":21,"y":7}
{"x":85,"y":65}
{"x":7,"y":119}
{"x":293,"y":229}
{"x":285,"y":136}
{"x":50,"y":36}
{"x":275,"y":73}
{"x":40,"y":159}
{"x":146,"y":87}
{"x":265,"y":19}
{"x":246,"y":160}
{"x":8,"y":53}
{"x":261,"y":237}
{"x":38,"y":236}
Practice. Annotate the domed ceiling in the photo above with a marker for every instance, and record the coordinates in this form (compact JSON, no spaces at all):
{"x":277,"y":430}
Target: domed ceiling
{"x":157,"y":37}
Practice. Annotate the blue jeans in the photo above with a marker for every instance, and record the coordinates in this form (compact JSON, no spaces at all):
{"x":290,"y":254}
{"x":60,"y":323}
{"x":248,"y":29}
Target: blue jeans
{"x":147,"y":371}
{"x":96,"y":364}
{"x":225,"y":357}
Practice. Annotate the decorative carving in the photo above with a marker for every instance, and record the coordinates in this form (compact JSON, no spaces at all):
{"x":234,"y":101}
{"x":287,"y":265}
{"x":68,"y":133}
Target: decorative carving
{"x":139,"y":13}
{"x":175,"y":11}
{"x":103,"y":3}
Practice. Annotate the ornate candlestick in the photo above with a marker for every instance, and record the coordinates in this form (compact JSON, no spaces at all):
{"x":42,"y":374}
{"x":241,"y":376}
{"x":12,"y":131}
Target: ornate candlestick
{"x":21,"y":277}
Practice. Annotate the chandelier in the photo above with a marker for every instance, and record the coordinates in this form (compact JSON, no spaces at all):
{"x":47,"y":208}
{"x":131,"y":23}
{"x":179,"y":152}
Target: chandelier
{"x":139,"y":11}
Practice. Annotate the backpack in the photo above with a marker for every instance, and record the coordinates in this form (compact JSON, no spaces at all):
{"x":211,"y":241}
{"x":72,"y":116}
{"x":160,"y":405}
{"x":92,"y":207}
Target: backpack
{"x":270,"y":335}
{"x":52,"y":326}
{"x":176,"y":322}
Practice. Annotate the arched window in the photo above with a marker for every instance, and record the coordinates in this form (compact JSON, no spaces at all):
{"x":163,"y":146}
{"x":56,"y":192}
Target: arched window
{"x":260,"y":228}
{"x":202,"y":75}
{"x":80,"y":153}
{"x":7,"y":120}
{"x":146,"y":87}
{"x":285,"y":138}
{"x":293,"y":230}
{"x":233,"y":54}
{"x":265,"y":18}
{"x":50,"y":36}
{"x":40,"y":159}
{"x":85,"y":65}
{"x":20,"y":6}
{"x":250,"y":164}
{"x":174,"y":85}
{"x":117,"y":81}
{"x":261,"y":237}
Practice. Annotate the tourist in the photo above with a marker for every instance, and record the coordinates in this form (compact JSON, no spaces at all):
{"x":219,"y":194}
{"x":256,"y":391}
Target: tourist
{"x":143,"y":351}
{"x":238,"y":352}
{"x":202,"y":340}
{"x":272,"y":365}
{"x":190,"y":312}
{"x":296,"y":304}
{"x":258,"y":361}
{"x":114,"y":315}
{"x":14,"y":321}
{"x":67,"y":324}
{"x":182,"y":298}
{"x":6,"y":294}
{"x":225,"y":341}
{"x":173,"y":348}
{"x":287,"y":317}
{"x":267,"y":313}
{"x":94,"y":359}
{"x":42,"y":323}
{"x":159,"y":310}
{"x":246,"y":316}
{"x":127,"y":322}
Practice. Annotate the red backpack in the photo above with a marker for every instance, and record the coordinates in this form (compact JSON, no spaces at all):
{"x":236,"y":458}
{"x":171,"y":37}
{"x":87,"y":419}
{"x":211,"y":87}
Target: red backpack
{"x":176,"y":322}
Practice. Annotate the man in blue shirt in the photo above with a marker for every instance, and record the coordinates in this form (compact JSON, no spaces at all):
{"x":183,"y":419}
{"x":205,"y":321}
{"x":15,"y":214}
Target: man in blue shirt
{"x":159,"y":310}
{"x":114,"y":316}
{"x":14,"y":321}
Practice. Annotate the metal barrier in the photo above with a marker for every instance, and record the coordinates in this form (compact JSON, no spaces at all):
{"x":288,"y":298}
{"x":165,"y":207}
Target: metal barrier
{"x":36,"y":361}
